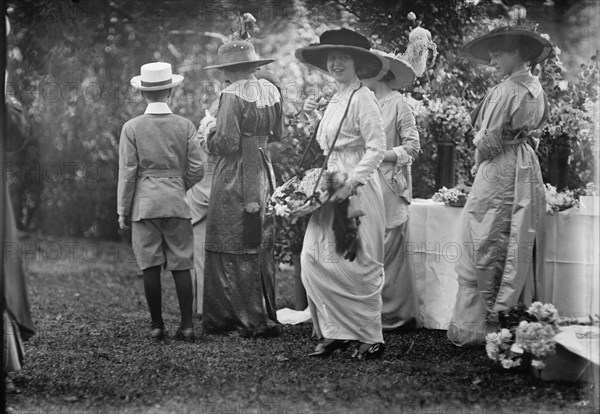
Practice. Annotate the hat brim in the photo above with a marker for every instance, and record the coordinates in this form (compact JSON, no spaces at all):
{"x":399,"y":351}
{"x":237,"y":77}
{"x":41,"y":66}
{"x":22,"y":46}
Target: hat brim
{"x":316,"y":56}
{"x":241,"y":64}
{"x":136,"y":82}
{"x":404,"y":74}
{"x":478,"y":50}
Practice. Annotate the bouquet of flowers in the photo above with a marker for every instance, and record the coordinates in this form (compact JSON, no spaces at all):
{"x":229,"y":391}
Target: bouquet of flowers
{"x":447,"y":119}
{"x":524,"y":333}
{"x":454,"y":197}
{"x":295,"y":198}
{"x":559,"y":201}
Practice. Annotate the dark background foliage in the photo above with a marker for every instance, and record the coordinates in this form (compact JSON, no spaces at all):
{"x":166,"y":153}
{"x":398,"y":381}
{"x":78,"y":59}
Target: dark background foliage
{"x":70,"y":64}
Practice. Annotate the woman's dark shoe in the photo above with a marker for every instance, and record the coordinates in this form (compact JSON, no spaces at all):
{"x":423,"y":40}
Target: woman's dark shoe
{"x":185,"y":334}
{"x":326,"y":347}
{"x":157,"y":334}
{"x":366,"y":351}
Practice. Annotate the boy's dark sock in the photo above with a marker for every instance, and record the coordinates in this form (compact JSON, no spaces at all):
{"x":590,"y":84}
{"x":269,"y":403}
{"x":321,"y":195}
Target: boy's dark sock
{"x":185,"y":296}
{"x":153,"y":292}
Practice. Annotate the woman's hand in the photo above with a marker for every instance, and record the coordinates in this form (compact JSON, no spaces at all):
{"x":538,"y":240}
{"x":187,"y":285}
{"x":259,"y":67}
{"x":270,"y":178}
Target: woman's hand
{"x":341,"y":194}
{"x":474,"y":170}
{"x":310,"y":105}
{"x":123,"y":223}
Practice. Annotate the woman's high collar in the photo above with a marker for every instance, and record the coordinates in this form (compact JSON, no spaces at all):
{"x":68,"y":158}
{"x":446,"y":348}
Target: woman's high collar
{"x":344,"y":87}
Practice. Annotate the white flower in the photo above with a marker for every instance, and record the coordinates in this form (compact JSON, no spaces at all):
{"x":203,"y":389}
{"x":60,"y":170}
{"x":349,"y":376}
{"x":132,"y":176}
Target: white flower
{"x":517,"y":12}
{"x":505,"y":335}
{"x":507,"y":363}
{"x":536,"y":363}
{"x":492,"y":350}
{"x":411,"y":16}
{"x":281,"y":210}
{"x":545,"y":36}
{"x":516,"y":348}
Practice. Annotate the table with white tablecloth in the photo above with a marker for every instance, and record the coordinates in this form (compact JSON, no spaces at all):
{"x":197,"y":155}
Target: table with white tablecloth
{"x":569,"y":273}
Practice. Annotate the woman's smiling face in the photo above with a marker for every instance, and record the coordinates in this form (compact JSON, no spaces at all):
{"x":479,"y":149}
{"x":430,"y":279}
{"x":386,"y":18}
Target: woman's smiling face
{"x":341,"y":66}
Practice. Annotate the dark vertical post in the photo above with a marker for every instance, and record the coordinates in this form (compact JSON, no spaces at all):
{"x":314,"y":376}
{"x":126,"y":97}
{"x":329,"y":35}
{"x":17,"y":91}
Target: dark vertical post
{"x":445,"y":175}
{"x":3,"y":201}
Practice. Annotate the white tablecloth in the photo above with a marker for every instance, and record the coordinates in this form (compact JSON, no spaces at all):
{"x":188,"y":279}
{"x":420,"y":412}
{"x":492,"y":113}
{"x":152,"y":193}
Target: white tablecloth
{"x":570,"y":271}
{"x":434,"y":241}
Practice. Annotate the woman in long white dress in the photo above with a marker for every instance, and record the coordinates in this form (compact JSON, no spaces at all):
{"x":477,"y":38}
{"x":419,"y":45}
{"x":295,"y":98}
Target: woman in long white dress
{"x":345,"y":296}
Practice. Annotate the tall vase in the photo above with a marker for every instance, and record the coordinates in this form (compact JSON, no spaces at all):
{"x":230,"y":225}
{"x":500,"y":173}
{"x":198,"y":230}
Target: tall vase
{"x":445,"y":175}
{"x":558,"y":166}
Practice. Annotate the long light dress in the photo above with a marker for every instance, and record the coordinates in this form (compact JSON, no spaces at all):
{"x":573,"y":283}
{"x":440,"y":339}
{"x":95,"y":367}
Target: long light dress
{"x":504,"y":213}
{"x":400,"y":306}
{"x":344,"y":296}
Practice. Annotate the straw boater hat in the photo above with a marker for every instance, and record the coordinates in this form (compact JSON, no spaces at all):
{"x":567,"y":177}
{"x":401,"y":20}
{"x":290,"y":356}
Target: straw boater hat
{"x":348,"y":40}
{"x":238,"y":54}
{"x":535,"y":46}
{"x":404,"y":74}
{"x":156,"y":76}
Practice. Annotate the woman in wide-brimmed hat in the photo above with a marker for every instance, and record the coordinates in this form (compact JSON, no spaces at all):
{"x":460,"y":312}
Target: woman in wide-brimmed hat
{"x":239,"y":273}
{"x":503,"y":218}
{"x":344,"y":294}
{"x":400,"y":309}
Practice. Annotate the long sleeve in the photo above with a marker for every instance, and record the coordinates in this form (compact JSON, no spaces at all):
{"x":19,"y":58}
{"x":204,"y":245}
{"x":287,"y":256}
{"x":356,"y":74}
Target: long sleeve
{"x":488,"y":138}
{"x":194,"y":170}
{"x":226,"y":139}
{"x":370,"y":123}
{"x":406,"y":126}
{"x":128,"y":168}
{"x":277,"y":131}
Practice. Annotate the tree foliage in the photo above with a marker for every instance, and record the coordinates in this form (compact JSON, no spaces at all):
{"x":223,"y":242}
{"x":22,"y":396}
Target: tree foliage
{"x":71,"y":62}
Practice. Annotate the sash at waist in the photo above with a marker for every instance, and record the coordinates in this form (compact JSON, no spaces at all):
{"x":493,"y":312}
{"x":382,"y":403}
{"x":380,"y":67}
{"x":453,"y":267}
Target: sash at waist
{"x":518,"y":141}
{"x":260,"y":139}
{"x":160,"y":173}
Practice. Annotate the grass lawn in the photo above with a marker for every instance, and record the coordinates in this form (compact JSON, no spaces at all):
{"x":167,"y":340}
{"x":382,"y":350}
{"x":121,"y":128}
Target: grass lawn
{"x":90,"y":355}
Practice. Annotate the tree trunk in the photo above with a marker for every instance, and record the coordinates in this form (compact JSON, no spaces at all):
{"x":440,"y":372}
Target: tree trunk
{"x":445,"y":175}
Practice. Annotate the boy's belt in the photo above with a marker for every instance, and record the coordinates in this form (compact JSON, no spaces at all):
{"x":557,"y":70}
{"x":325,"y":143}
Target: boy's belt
{"x":156,"y":172}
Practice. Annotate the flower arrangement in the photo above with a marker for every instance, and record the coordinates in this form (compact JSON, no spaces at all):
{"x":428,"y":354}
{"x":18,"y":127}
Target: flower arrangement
{"x":295,"y":198}
{"x":559,"y":201}
{"x":453,"y":197}
{"x":567,"y":126}
{"x":447,"y":119}
{"x":524,"y":333}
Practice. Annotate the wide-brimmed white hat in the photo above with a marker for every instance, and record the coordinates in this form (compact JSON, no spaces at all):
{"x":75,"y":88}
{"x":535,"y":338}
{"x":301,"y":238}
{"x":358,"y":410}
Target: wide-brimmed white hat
{"x":238,"y":54}
{"x":315,"y":55}
{"x":156,"y":76}
{"x":404,"y":74}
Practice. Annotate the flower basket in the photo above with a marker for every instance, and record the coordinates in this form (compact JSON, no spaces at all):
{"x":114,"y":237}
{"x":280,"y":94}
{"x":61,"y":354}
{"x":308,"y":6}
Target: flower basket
{"x":295,"y":198}
{"x":452,"y":197}
{"x":552,"y":348}
{"x":558,"y":201}
{"x":526,"y":334}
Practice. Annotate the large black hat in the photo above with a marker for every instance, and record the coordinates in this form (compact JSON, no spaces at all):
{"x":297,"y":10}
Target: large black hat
{"x":348,"y":40}
{"x":534,"y":45}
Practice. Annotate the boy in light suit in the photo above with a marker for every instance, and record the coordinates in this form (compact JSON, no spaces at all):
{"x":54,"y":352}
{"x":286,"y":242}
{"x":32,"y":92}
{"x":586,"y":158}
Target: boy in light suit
{"x":159,"y":160}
